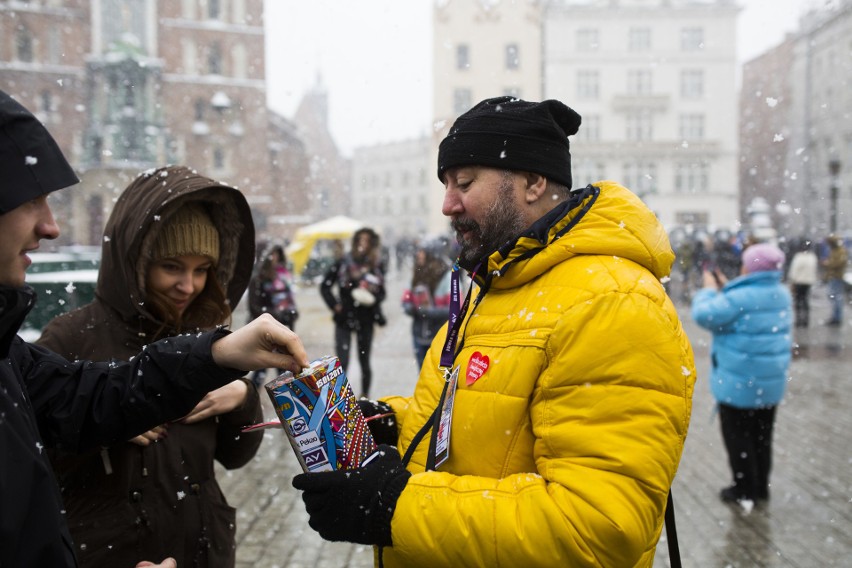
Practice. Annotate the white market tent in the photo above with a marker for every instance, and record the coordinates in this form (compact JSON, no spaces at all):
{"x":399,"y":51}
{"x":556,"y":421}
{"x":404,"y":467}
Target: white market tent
{"x":333,"y":228}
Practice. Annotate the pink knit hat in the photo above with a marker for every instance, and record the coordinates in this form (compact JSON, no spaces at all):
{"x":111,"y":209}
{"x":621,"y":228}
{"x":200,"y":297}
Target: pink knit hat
{"x":763,"y":257}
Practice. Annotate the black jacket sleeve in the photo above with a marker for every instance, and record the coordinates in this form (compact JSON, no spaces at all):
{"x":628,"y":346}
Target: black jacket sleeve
{"x":327,"y":284}
{"x":235,"y":448}
{"x":84,"y":404}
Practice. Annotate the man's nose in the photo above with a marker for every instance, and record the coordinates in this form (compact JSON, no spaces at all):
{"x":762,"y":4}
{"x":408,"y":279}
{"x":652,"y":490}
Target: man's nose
{"x":47,"y":227}
{"x":452,"y":204}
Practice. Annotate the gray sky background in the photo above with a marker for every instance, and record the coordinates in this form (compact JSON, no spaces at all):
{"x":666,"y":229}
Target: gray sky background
{"x":375,"y":58}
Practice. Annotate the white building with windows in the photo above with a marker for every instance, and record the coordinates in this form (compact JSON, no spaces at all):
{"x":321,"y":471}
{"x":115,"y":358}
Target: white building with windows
{"x":655,"y":83}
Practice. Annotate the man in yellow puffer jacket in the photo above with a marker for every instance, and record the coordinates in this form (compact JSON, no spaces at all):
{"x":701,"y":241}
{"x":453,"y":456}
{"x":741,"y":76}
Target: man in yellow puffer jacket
{"x":560,"y":399}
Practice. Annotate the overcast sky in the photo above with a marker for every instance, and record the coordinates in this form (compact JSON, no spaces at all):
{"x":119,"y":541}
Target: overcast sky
{"x":374,"y":57}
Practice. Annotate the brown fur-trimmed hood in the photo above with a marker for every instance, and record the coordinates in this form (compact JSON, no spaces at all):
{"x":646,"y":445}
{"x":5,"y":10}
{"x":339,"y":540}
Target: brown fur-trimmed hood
{"x":136,"y":220}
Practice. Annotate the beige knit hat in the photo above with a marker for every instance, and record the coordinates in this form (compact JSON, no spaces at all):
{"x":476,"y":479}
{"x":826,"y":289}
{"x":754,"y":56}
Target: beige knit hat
{"x":189,"y":231}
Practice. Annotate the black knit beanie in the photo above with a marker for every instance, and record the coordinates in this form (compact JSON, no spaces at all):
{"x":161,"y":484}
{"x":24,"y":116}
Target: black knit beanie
{"x":512,"y":134}
{"x":31,"y":163}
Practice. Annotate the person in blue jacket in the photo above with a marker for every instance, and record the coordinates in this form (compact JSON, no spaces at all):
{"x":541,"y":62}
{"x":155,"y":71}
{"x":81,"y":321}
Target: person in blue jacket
{"x":750,"y":318}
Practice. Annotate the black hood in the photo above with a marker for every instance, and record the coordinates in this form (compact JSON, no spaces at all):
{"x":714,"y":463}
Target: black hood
{"x":32,"y":164}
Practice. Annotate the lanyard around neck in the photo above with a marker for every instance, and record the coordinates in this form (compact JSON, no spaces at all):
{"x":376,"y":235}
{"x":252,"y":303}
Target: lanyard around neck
{"x":457,"y":315}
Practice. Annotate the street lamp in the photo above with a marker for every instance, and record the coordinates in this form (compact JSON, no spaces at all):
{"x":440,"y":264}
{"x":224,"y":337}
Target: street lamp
{"x":834,"y":170}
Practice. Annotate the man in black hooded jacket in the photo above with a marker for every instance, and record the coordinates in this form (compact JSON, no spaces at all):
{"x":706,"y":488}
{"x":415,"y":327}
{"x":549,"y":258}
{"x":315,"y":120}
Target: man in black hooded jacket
{"x":46,"y":400}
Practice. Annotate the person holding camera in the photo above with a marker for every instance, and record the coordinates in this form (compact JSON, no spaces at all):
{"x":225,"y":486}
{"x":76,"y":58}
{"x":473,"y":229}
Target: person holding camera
{"x":750,"y":318}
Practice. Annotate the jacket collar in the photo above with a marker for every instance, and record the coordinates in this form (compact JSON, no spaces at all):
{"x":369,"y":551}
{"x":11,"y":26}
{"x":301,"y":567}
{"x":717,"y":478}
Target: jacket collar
{"x":15,"y":304}
{"x":545,"y":230}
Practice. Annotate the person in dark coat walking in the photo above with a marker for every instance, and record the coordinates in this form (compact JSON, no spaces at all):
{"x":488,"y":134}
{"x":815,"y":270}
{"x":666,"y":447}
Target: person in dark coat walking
{"x":271,"y":291}
{"x":177,"y":252}
{"x":47,"y":401}
{"x":356,"y":307}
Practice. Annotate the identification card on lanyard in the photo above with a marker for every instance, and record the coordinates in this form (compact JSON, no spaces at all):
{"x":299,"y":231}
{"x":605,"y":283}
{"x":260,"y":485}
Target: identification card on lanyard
{"x":442,"y":447}
{"x":441,"y":439}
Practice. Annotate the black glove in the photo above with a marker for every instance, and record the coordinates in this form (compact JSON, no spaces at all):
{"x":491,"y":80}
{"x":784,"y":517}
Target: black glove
{"x":384,"y":429}
{"x":355,"y":505}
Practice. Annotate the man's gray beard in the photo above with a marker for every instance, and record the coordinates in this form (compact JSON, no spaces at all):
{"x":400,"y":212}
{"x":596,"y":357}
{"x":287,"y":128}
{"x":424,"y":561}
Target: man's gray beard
{"x":503,"y":222}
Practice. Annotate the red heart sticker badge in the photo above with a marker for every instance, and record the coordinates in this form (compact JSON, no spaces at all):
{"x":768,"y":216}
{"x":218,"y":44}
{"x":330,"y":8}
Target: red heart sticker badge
{"x":476,"y":367}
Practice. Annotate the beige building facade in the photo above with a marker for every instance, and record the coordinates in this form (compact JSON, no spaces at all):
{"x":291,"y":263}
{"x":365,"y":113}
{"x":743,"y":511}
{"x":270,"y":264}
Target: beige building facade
{"x":127,"y":85}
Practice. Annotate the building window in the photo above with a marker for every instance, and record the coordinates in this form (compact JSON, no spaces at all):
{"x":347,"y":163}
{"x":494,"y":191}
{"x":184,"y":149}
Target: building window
{"x":24,"y":44}
{"x":588,"y":84}
{"x":46,"y":102}
{"x":214,"y":9}
{"x":199,"y":110}
{"x":692,"y":39}
{"x":691,"y":177}
{"x":639,"y":126}
{"x":512,"y":59}
{"x":639,"y":39}
{"x":587,"y":39}
{"x":461,"y":101}
{"x":590,"y":129}
{"x":691,"y":126}
{"x":214,"y":59}
{"x":218,"y":158}
{"x":692,"y":84}
{"x":462,"y":57}
{"x":641,"y":177}
{"x":639,"y":82}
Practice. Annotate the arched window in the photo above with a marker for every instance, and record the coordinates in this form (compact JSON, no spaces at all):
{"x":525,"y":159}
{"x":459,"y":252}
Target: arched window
{"x":214,"y":9}
{"x":24,"y":44}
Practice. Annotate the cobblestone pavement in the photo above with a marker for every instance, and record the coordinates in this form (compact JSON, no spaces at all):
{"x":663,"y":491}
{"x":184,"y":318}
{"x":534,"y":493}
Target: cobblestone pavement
{"x":807,"y":523}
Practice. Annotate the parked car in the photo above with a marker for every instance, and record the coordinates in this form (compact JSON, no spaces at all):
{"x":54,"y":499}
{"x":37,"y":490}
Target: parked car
{"x":63,"y":281}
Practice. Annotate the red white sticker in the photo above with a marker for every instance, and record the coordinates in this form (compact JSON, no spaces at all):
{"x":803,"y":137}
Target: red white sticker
{"x":476,"y":367}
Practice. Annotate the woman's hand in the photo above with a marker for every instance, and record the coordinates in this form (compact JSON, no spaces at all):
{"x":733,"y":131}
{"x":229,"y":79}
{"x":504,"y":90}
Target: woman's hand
{"x":167,"y":563}
{"x":714,"y":279}
{"x":152,"y":435}
{"x":219,"y":401}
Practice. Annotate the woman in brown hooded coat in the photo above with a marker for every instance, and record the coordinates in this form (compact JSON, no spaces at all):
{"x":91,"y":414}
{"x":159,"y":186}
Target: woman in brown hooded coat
{"x":177,"y":254}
